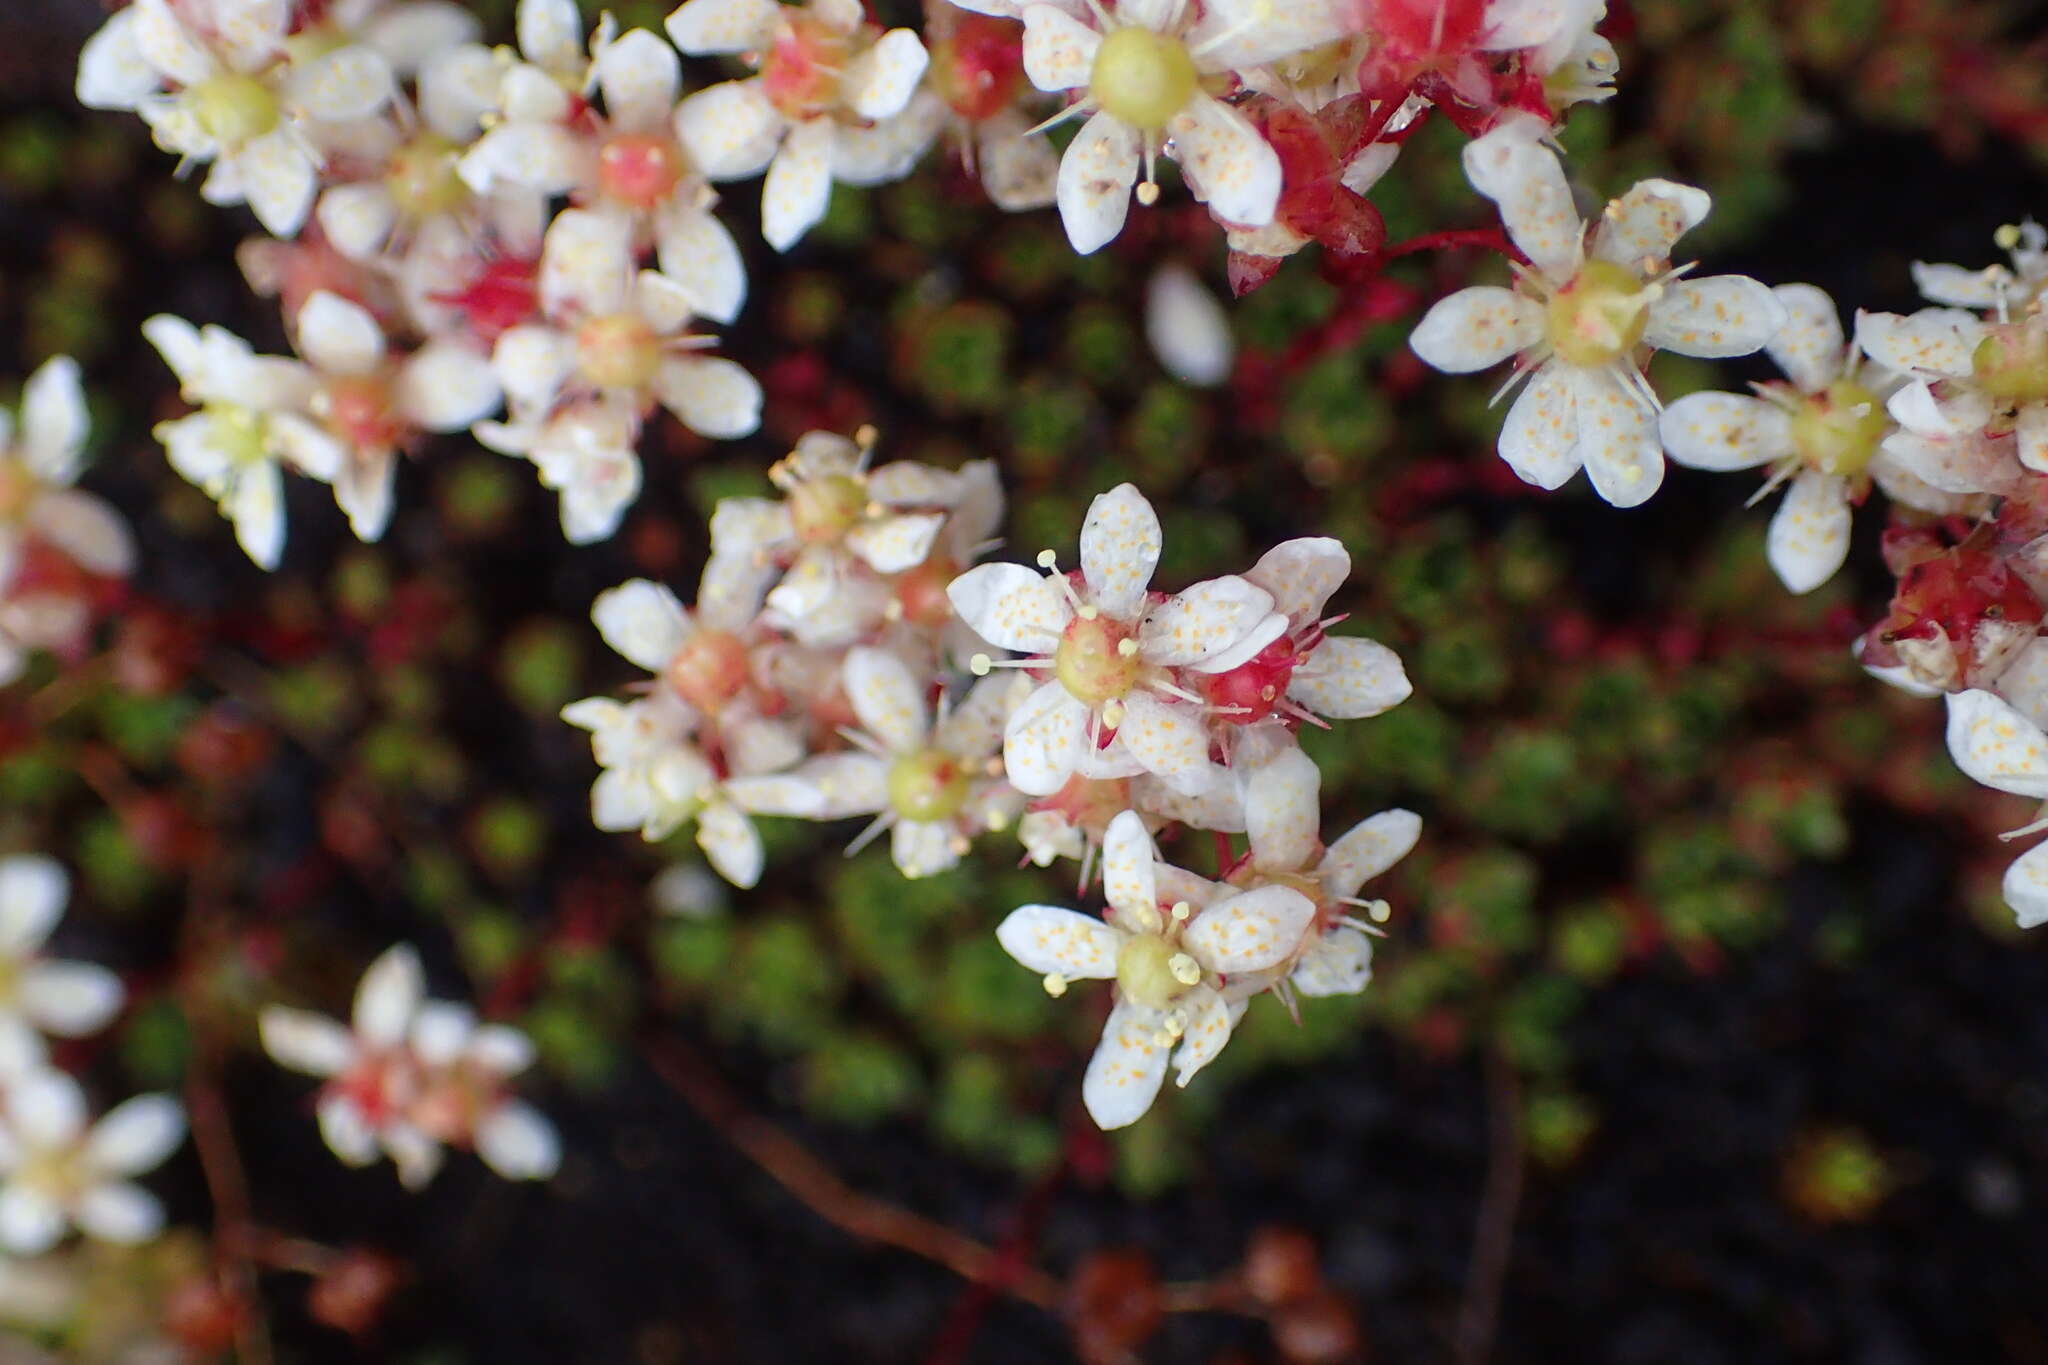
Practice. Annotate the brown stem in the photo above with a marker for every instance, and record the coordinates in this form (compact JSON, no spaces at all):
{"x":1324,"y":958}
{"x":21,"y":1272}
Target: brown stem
{"x":1493,"y":1236}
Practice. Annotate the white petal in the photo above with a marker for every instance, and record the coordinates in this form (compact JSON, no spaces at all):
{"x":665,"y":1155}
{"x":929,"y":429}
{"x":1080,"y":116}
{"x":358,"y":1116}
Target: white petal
{"x":1017,"y":172}
{"x":339,"y":336}
{"x":1476,"y":328}
{"x":1128,"y":1067}
{"x":731,"y":590}
{"x":1301,"y":574}
{"x":1540,"y":439}
{"x":30,"y":1223}
{"x":1096,"y":174}
{"x":887,"y":151}
{"x":53,"y":420}
{"x":639,"y":75}
{"x":446,"y":386}
{"x":1995,"y":745}
{"x":879,"y":82}
{"x":1524,"y":178}
{"x":843,"y":784}
{"x":112,"y":72}
{"x":166,"y":45}
{"x":1169,"y":740}
{"x":357,"y":219}
{"x":922,"y":848}
{"x":2026,"y":887}
{"x":887,"y":697}
{"x":1283,"y":812}
{"x":1202,"y":622}
{"x":643,"y":621}
{"x":1250,"y":931}
{"x":532,"y":361}
{"x":1127,"y":869}
{"x":894,"y":544}
{"x":2030,"y":433}
{"x":1348,"y":677}
{"x":730,"y":130}
{"x":1206,"y":1028}
{"x":1724,"y":315}
{"x":1960,"y":288}
{"x":69,"y":999}
{"x":345,"y":1130}
{"x":136,"y":1135}
{"x":304,"y":1041}
{"x":704,"y":28}
{"x":349,"y":83}
{"x":256,"y":507}
{"x":544,"y":157}
{"x":391,"y":990}
{"x":698,"y":253}
{"x":730,"y":843}
{"x":1724,"y":431}
{"x":458,"y":90}
{"x":501,"y":1049}
{"x":1933,"y":341}
{"x":710,"y":395}
{"x":33,"y":890}
{"x":279,"y":179}
{"x":1338,"y":963}
{"x":799,"y":185}
{"x":550,"y":33}
{"x":518,"y":1142}
{"x":1120,"y":543}
{"x":1051,"y":941}
{"x":1229,"y":162}
{"x":1810,"y":347}
{"x":1809,"y":536}
{"x":45,"y":1109}
{"x":121,"y":1213}
{"x":1044,"y":740}
{"x":1618,"y":442}
{"x":1011,"y":607}
{"x":1188,"y":329}
{"x":1059,"y":50}
{"x":586,"y":264}
{"x":1639,"y":229}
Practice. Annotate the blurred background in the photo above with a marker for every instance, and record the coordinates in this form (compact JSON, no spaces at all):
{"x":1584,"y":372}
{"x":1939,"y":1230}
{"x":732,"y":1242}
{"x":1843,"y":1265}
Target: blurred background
{"x":1701,"y":1033}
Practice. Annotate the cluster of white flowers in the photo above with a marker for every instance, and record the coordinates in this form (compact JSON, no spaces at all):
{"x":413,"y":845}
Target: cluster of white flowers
{"x":59,"y":1170}
{"x":840,"y":661}
{"x":408,"y":1075}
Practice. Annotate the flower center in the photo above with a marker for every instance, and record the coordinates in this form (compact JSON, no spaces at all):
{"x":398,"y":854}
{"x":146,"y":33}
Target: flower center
{"x":801,"y":73}
{"x":1252,"y":691}
{"x":358,"y":410}
{"x":825,"y":508}
{"x":927,"y":786}
{"x":18,"y":488}
{"x":422,"y":180}
{"x":1837,"y":430}
{"x":979,"y":68}
{"x":639,"y":169}
{"x":1599,"y":317}
{"x":232,"y":108}
{"x":1097,"y":660}
{"x":617,"y":351}
{"x":240,"y":433}
{"x":60,"y":1174}
{"x":1152,"y":972}
{"x":709,"y":670}
{"x":2011,"y":363}
{"x":921,"y":592}
{"x":1142,"y":78}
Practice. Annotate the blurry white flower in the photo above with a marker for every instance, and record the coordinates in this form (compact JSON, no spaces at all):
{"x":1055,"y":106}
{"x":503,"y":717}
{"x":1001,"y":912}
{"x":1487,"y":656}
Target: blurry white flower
{"x":1188,"y":329}
{"x":56,"y":1172}
{"x":39,"y":995}
{"x":464,"y":1096}
{"x":40,"y":458}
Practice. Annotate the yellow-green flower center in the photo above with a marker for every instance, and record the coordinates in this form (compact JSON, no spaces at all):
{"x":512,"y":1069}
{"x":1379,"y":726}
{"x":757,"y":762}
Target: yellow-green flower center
{"x":826,"y":508}
{"x":241,"y":434}
{"x":1150,"y":971}
{"x":2012,"y":363}
{"x":232,"y":108}
{"x":1097,"y":660}
{"x":422,"y":179}
{"x":618,"y":351}
{"x":1142,"y":78}
{"x":927,"y":786}
{"x":1837,"y":430}
{"x":1599,"y":317}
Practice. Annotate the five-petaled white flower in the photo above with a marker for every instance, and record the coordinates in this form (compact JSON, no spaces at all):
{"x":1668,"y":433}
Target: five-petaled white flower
{"x":39,"y":995}
{"x":1114,"y":706}
{"x":1578,"y":317}
{"x":1972,"y":378}
{"x":58,"y":1172}
{"x":832,"y":102}
{"x":1168,"y":959}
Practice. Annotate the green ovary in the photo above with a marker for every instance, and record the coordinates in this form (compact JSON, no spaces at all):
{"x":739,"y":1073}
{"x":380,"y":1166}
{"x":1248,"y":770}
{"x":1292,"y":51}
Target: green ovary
{"x":1142,"y":78}
{"x":1599,"y":317}
{"x":233,"y":108}
{"x":1837,"y":430}
{"x":2011,"y":364}
{"x":927,"y":786}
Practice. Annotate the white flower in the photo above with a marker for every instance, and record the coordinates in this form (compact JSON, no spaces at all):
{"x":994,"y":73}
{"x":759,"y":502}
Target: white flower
{"x":1113,"y":652}
{"x":1578,"y":316}
{"x":218,"y":81}
{"x":2016,"y":290}
{"x":1823,"y":431}
{"x":370,"y":405}
{"x":1307,"y":672}
{"x":1972,"y":379}
{"x":832,"y":101}
{"x":464,"y":1100}
{"x":252,"y":418}
{"x":584,"y":452}
{"x":37,"y":994}
{"x":1188,"y":329}
{"x":371,"y":1075}
{"x":1168,"y":961}
{"x":928,"y":780}
{"x":1142,"y":79}
{"x":56,"y":1172}
{"x":39,"y":461}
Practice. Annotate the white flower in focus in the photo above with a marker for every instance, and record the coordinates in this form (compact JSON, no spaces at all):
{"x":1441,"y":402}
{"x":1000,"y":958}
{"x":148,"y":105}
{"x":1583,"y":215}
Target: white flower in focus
{"x":833,"y":100}
{"x":1579,"y":316}
{"x":39,"y":995}
{"x":251,"y":421}
{"x":1143,"y":82}
{"x":370,"y":404}
{"x":464,"y":1096}
{"x":220,"y":81}
{"x":371,"y":1075}
{"x":1307,"y":672}
{"x":1823,"y":432}
{"x":56,"y":1172}
{"x":1114,"y":706}
{"x":1168,"y":960}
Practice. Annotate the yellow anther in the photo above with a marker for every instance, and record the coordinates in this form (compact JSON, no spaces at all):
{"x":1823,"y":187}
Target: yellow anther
{"x":1055,"y":985}
{"x":979,"y":665}
{"x":1127,"y":646}
{"x":1182,"y":910}
{"x":1185,"y":969}
{"x":1047,"y":559}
